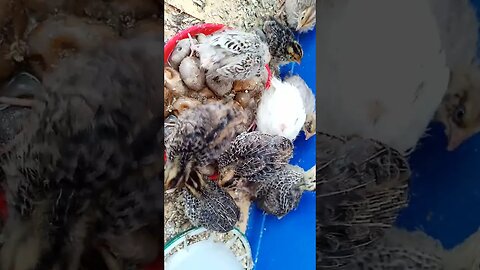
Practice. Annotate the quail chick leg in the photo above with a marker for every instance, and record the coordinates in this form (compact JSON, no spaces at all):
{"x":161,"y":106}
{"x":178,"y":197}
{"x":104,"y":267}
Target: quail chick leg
{"x":192,"y":45}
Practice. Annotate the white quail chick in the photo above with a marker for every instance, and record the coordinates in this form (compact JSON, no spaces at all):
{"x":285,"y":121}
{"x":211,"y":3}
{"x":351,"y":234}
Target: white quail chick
{"x":309,"y":101}
{"x":96,"y":124}
{"x":253,"y":157}
{"x":213,"y":208}
{"x":233,"y":54}
{"x":197,"y":139}
{"x":301,"y":15}
{"x":362,"y":185}
{"x":283,"y":47}
{"x":281,"y":110}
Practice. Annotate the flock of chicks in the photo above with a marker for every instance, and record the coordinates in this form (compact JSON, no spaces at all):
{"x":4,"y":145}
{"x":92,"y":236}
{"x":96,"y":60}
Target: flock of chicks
{"x":219,"y":117}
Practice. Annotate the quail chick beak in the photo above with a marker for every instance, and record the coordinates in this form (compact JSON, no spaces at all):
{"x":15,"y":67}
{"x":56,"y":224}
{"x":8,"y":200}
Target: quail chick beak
{"x":457,"y":137}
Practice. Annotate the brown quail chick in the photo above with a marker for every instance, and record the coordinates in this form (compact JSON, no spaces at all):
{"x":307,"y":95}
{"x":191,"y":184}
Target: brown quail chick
{"x":281,"y":42}
{"x":362,"y":185}
{"x":197,"y":139}
{"x":459,"y":111}
{"x":96,"y":124}
{"x":281,"y":193}
{"x":213,"y":208}
{"x":254,"y":157}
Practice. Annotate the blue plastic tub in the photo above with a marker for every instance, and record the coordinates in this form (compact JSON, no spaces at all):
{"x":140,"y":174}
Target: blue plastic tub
{"x":289,"y":243}
{"x":445,"y":187}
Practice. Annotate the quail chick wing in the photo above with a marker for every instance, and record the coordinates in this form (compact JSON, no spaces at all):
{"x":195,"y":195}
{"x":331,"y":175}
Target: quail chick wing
{"x":96,"y":123}
{"x":281,"y":110}
{"x":309,"y":101}
{"x":233,"y":54}
{"x":254,"y":156}
{"x":197,"y":139}
{"x":301,"y":14}
{"x":213,"y":208}
{"x":361,"y":187}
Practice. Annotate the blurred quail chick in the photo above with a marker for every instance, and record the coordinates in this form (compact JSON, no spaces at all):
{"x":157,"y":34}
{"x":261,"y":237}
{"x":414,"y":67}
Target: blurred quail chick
{"x":309,"y":128}
{"x":197,"y":139}
{"x":131,"y":215}
{"x":233,"y":54}
{"x":281,"y":43}
{"x":96,"y":124}
{"x":361,"y":187}
{"x":400,"y":249}
{"x":212,"y":208}
{"x":282,"y":192}
{"x":253,"y":157}
{"x":459,"y":111}
{"x":301,"y":14}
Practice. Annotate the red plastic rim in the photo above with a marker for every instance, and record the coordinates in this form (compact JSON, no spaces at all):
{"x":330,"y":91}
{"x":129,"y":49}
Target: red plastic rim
{"x":206,"y":29}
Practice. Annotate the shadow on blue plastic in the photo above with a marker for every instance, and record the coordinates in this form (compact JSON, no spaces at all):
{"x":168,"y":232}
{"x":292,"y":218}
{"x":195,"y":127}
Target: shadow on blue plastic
{"x":289,"y":243}
{"x":444,"y":190}
{"x":445,"y":187}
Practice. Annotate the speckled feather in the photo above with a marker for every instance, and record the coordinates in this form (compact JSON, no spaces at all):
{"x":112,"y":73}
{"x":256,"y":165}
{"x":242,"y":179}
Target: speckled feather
{"x":233,"y":54}
{"x":214,"y":209}
{"x":254,"y":156}
{"x":282,"y":192}
{"x":361,"y":187}
{"x":90,"y":129}
{"x":198,"y":138}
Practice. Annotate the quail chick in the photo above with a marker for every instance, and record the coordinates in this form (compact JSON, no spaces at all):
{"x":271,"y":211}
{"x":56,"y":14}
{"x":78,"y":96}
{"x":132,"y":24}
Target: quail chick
{"x":281,"y":193}
{"x":212,"y":208}
{"x":301,"y":14}
{"x":309,"y":101}
{"x":253,"y":157}
{"x":129,"y":214}
{"x":361,"y":187}
{"x":96,"y":124}
{"x":233,"y":54}
{"x":197,"y":139}
{"x":281,"y":43}
{"x":459,"y":111}
{"x":281,"y":110}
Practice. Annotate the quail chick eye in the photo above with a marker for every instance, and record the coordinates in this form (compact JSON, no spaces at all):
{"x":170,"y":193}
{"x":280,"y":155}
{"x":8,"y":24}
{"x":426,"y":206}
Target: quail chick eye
{"x":459,"y":114}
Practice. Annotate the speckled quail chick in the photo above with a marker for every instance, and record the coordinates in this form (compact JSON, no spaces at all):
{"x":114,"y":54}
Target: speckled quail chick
{"x":281,"y":193}
{"x":197,"y":139}
{"x":233,"y":55}
{"x":258,"y":163}
{"x":281,"y":42}
{"x":362,"y":185}
{"x":301,"y":15}
{"x":253,"y":157}
{"x":212,"y":208}
{"x":96,"y":124}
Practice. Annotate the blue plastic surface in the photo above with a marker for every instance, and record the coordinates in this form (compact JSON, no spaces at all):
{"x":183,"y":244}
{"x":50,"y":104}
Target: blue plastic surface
{"x":289,"y":243}
{"x":445,"y":186}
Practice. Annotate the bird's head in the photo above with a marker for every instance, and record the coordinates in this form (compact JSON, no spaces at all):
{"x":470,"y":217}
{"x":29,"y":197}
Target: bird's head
{"x":307,"y":19}
{"x":176,"y":173}
{"x":310,"y":126}
{"x":295,"y":52}
{"x":459,"y":111}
